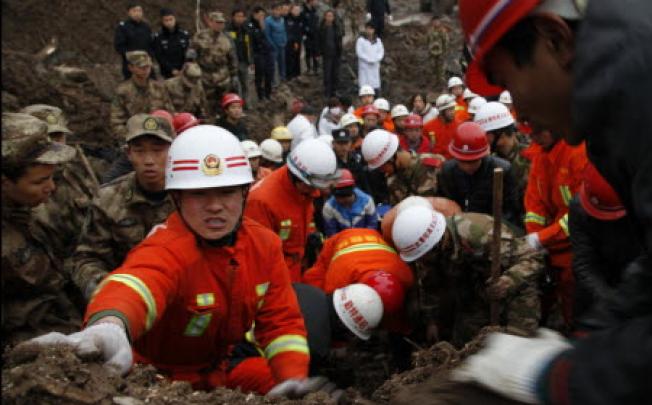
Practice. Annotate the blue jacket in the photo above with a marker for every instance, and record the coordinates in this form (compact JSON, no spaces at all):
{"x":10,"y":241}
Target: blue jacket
{"x":362,"y":214}
{"x":275,"y":31}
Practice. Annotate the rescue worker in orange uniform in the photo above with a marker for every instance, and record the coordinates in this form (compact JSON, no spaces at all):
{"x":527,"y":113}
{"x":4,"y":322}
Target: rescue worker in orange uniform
{"x":555,"y":176}
{"x":441,"y":130}
{"x":283,"y":201}
{"x":196,"y":285}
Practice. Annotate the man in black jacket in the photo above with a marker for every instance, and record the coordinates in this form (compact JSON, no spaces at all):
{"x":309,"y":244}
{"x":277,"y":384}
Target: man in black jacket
{"x":170,"y":45}
{"x":262,"y":54}
{"x":311,"y":28}
{"x":294,"y":29}
{"x":330,"y":48}
{"x":132,"y":34}
{"x":376,"y":11}
{"x":241,"y":37}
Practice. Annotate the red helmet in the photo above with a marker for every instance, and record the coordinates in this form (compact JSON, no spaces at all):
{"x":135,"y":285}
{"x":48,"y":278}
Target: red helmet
{"x":183,"y":121}
{"x":346,"y":179}
{"x":388,"y":286}
{"x":413,"y":121}
{"x":230,"y":98}
{"x":370,"y":109}
{"x":484,"y":22}
{"x":469,"y":142}
{"x":164,"y":114}
{"x":598,"y":198}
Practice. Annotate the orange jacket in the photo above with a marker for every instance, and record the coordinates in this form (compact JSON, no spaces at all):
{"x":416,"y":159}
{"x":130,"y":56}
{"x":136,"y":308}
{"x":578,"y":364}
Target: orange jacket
{"x":186,"y":303}
{"x":262,"y":173}
{"x":277,"y":204}
{"x":441,"y":134}
{"x":388,"y":124}
{"x":555,"y":176}
{"x":348,"y":255}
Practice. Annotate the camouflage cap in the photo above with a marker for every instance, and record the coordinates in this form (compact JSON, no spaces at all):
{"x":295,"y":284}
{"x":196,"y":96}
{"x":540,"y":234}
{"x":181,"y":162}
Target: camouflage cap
{"x":217,"y":16}
{"x":25,"y":141}
{"x":192,"y":70}
{"x":138,"y":58}
{"x":146,"y":124}
{"x":53,"y":116}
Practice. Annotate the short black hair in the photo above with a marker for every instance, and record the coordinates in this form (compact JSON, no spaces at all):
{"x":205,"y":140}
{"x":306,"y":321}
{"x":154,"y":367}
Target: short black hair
{"x":307,"y":109}
{"x":132,"y":4}
{"x":237,"y":10}
{"x":258,"y":9}
{"x":346,"y":101}
{"x":166,"y":12}
{"x":15,"y":172}
{"x":369,"y":24}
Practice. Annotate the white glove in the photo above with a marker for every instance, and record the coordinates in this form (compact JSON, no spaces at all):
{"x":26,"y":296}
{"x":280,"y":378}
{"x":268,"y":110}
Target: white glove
{"x":295,"y":388}
{"x":511,"y":365}
{"x":367,"y":17}
{"x":390,"y":18}
{"x":106,"y":338}
{"x":534,"y":242}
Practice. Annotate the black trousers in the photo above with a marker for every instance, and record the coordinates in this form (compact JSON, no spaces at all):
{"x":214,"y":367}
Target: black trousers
{"x":292,"y":60}
{"x":378,"y":20}
{"x":331,"y":74}
{"x":264,"y":74}
{"x":312,"y":62}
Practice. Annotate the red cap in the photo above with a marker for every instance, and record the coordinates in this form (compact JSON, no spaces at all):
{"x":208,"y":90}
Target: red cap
{"x":183,"y":121}
{"x":469,"y":142}
{"x":484,"y":23}
{"x":230,"y":98}
{"x":598,"y":198}
{"x":346,"y":179}
{"x":413,"y":121}
{"x":388,"y":286}
{"x":369,"y":109}
{"x":164,"y":114}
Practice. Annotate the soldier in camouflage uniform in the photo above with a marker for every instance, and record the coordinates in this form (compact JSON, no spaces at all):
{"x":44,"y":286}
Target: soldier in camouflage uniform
{"x":438,"y":41}
{"x":452,"y":264}
{"x":34,"y":285}
{"x":126,"y":209}
{"x":140,"y":94}
{"x":410,"y":174}
{"x":187,"y":92}
{"x":217,"y":58}
{"x":76,"y":186}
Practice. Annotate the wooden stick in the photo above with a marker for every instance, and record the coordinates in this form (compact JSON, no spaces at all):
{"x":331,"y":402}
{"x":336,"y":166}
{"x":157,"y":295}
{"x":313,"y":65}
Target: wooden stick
{"x":495,"y":242}
{"x":87,"y":166}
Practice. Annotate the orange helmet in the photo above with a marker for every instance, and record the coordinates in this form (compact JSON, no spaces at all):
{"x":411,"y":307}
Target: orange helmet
{"x":598,"y":198}
{"x":183,"y":121}
{"x":413,"y":121}
{"x":388,"y":286}
{"x":469,"y":142}
{"x":230,"y":98}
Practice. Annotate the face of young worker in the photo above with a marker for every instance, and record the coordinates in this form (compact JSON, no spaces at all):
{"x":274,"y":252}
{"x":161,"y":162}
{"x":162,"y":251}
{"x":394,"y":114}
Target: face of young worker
{"x":32,"y":188}
{"x":212,"y":212}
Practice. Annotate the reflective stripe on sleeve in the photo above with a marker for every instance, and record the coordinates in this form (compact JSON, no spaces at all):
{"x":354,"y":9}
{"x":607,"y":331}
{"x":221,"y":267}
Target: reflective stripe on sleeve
{"x":563,"y":222}
{"x":141,"y":289}
{"x":286,"y":343}
{"x":363,"y":247}
{"x":566,"y":194}
{"x":535,"y":218}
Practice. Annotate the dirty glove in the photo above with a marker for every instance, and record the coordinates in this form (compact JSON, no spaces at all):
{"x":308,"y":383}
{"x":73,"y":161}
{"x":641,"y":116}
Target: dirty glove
{"x":512,"y":365}
{"x":533,"y":240}
{"x":367,"y":17}
{"x":109,"y":339}
{"x":295,"y":388}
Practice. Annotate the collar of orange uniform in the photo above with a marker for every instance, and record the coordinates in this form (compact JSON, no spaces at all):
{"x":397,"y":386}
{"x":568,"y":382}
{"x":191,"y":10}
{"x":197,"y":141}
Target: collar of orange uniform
{"x":288,"y":187}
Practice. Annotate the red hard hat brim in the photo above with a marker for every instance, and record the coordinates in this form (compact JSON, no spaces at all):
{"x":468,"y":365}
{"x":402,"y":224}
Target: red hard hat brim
{"x":465,"y":157}
{"x":595,"y":212}
{"x":476,"y":80}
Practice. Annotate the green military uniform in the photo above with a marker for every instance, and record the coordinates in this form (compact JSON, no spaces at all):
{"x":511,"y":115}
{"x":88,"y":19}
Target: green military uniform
{"x":34,"y":285}
{"x":187,"y":92}
{"x":131,"y":99}
{"x":451,"y":285}
{"x":121,"y":215}
{"x":218,"y":61}
{"x":416,"y":179}
{"x":438,"y":41}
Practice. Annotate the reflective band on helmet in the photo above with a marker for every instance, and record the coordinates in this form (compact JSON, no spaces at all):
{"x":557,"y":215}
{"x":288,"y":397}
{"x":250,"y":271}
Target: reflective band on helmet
{"x":566,"y":194}
{"x":286,"y":343}
{"x":141,"y":289}
{"x":535,"y":218}
{"x":485,"y":23}
{"x":563,"y":222}
{"x":362,"y":248}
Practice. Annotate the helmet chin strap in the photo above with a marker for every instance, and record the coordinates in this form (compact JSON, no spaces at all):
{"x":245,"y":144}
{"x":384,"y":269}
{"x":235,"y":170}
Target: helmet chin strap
{"x":227,"y":240}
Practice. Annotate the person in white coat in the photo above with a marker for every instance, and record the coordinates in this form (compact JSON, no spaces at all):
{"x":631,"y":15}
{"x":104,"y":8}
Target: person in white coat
{"x":370,"y":51}
{"x":302,"y":126}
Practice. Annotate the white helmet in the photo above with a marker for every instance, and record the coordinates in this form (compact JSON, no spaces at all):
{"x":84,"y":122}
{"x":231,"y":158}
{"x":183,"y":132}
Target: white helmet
{"x":348,"y":119}
{"x":412,"y":201}
{"x":251,"y":148}
{"x":445,"y":101}
{"x":505,"y":97}
{"x":400,"y":110}
{"x":468,"y":94}
{"x":417,"y":230}
{"x":366,"y":90}
{"x":378,"y":147}
{"x":476,"y":103}
{"x":206,"y":156}
{"x":381,"y":104}
{"x":327,"y":139}
{"x":272,"y":150}
{"x":314,"y":163}
{"x":455,"y":81}
{"x":493,"y":115}
{"x":359,"y":307}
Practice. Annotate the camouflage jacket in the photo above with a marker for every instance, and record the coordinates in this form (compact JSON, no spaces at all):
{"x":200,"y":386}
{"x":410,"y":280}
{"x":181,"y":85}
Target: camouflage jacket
{"x":131,"y":99}
{"x":438,"y":41}
{"x":455,"y":282}
{"x":520,"y":168}
{"x":416,"y":179}
{"x":119,"y":218}
{"x":63,"y":214}
{"x":217,"y":58}
{"x":34,"y":299}
{"x":186,"y":98}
